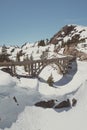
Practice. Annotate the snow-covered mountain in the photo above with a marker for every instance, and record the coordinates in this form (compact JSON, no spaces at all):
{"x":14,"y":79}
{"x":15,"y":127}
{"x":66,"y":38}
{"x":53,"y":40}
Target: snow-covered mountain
{"x":31,"y":103}
{"x":28,"y":50}
{"x":70,"y":34}
{"x":71,"y":39}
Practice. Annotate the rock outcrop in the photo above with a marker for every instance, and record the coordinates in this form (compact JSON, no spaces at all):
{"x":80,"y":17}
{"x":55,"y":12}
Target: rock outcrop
{"x":45,"y":104}
{"x":52,"y":104}
{"x":63,"y":104}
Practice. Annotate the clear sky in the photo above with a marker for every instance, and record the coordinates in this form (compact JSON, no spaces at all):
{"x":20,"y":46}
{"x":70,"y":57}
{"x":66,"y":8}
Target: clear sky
{"x":32,"y":20}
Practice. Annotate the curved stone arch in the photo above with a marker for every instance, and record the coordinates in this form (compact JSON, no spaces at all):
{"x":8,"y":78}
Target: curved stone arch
{"x":46,"y":64}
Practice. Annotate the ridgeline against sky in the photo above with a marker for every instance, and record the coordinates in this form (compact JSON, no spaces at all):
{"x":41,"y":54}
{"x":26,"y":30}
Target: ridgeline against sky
{"x":32,"y":20}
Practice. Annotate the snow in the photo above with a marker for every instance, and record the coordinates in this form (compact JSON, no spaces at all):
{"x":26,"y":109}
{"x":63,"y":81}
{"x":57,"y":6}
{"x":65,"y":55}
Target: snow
{"x":28,"y":83}
{"x":9,"y":88}
{"x":6,"y":79}
{"x":44,"y":120}
{"x":33,"y":49}
{"x":67,"y":38}
{"x":34,"y":118}
{"x":82,"y":47}
{"x":18,"y":96}
{"x":23,"y":115}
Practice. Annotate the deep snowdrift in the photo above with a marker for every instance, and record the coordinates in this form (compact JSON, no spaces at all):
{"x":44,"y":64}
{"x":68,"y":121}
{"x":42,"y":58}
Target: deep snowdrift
{"x":21,"y":114}
{"x":34,"y":118}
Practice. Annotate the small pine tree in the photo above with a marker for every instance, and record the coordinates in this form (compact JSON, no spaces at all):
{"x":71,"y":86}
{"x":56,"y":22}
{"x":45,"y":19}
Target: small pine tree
{"x":4,"y":56}
{"x":50,"y":80}
{"x":41,"y":43}
{"x":27,"y":58}
{"x":25,"y":66}
{"x":47,"y":41}
{"x":17,"y":57}
{"x":4,"y":50}
{"x":44,"y":55}
{"x":31,"y":57}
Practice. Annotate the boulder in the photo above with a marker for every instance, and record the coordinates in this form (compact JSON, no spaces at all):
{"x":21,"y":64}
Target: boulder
{"x":74,"y":101}
{"x":45,"y":104}
{"x":63,"y":104}
{"x":7,"y":70}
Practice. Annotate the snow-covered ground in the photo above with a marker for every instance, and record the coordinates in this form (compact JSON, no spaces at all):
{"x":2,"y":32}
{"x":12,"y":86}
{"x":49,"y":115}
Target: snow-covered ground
{"x":18,"y":96}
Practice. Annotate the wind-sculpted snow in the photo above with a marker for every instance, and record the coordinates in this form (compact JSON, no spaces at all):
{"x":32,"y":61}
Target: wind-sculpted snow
{"x":34,"y":118}
{"x":13,"y":98}
{"x":6,"y":79}
{"x":18,"y":96}
{"x":68,"y":77}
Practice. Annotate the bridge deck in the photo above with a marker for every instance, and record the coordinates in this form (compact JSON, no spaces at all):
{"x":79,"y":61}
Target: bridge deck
{"x":34,"y":67}
{"x":20,"y":63}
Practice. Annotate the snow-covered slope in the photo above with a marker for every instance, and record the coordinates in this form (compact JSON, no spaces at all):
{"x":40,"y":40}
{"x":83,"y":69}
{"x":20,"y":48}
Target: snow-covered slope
{"x":74,"y":36}
{"x":21,"y":114}
{"x":28,"y":50}
{"x":18,"y":96}
{"x":70,"y":34}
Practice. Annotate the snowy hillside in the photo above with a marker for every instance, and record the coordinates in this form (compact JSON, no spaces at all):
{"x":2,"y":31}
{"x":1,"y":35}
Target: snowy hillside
{"x":18,"y":96}
{"x":74,"y":36}
{"x":32,"y":103}
{"x":70,"y":34}
{"x":29,"y":50}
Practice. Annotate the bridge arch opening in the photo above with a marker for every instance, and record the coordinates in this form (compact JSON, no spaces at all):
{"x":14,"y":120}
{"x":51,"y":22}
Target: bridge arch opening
{"x":48,"y":69}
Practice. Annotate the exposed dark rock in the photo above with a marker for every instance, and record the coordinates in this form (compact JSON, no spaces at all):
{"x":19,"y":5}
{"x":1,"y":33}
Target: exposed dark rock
{"x":15,"y":99}
{"x":7,"y":70}
{"x":41,"y":43}
{"x":70,"y":50}
{"x":72,"y":32}
{"x":63,"y":104}
{"x":66,"y":30}
{"x":51,"y":104}
{"x":4,"y":57}
{"x":70,"y":45}
{"x":13,"y":50}
{"x":45,"y":104}
{"x":74,"y":101}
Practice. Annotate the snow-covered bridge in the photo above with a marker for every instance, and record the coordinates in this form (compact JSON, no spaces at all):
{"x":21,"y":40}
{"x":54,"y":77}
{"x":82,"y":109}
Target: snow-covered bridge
{"x":36,"y":66}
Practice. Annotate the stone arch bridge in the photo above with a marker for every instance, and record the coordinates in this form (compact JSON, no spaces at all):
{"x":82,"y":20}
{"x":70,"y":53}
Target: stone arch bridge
{"x":36,"y":66}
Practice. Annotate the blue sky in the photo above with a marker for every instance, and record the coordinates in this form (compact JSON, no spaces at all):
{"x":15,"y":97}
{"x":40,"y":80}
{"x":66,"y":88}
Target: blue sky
{"x":32,"y":20}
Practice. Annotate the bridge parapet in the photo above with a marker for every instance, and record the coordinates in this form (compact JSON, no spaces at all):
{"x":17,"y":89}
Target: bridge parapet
{"x":36,"y":66}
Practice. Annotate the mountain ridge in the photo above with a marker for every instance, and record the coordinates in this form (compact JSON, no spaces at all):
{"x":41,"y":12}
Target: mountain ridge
{"x":70,"y":33}
{"x":69,"y":40}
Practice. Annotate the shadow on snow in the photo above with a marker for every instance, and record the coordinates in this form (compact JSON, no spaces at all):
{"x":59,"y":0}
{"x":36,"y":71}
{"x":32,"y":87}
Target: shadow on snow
{"x":68,"y":77}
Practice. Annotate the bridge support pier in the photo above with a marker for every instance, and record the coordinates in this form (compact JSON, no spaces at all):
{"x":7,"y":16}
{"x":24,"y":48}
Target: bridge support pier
{"x":13,"y":69}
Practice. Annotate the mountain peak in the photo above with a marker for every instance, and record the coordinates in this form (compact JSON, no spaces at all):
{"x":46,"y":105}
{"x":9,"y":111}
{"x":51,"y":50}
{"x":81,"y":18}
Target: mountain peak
{"x":70,"y":33}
